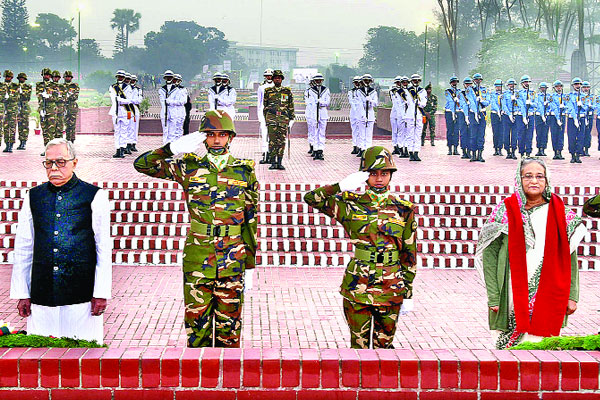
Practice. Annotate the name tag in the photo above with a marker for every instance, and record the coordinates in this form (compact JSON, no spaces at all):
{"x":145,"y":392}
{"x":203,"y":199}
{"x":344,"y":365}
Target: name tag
{"x":237,"y":183}
{"x":359,"y":217}
{"x":198,"y":179}
{"x":397,"y":221}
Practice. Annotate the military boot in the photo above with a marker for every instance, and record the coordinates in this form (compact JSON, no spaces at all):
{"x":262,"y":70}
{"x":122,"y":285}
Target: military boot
{"x":126,"y":150}
{"x":473,"y":156}
{"x":22,"y":145}
{"x":449,"y":150}
{"x":560,"y":156}
{"x":119,"y":153}
{"x":465,"y":154}
{"x":573,"y":158}
{"x":8,"y":148}
{"x":310,"y":151}
{"x":406,"y":153}
{"x":433,"y":141}
{"x":319,"y":155}
{"x":396,"y":150}
{"x":480,"y":156}
{"x":133,"y":147}
{"x":279,"y":166}
{"x":354,"y":150}
{"x":265,"y":158}
{"x":455,"y":151}
{"x":360,"y":153}
{"x":416,"y":156}
{"x":586,"y":151}
{"x":555,"y":155}
{"x":577,"y":158}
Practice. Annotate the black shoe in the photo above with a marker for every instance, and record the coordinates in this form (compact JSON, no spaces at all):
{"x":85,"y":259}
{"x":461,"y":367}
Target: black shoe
{"x":577,"y":159}
{"x":555,"y":155}
{"x":8,"y":148}
{"x":416,"y":156}
{"x":119,"y":153}
{"x":403,"y":152}
{"x":22,"y":145}
{"x":573,"y":158}
{"x":465,"y":154}
{"x":360,"y":153}
{"x":396,"y":150}
{"x":278,"y":164}
{"x":411,"y":156}
{"x":132,"y":148}
{"x":319,"y":155}
{"x":432,"y":142}
{"x":265,"y":159}
{"x":543,"y":152}
{"x":473,"y":156}
{"x":354,"y":150}
{"x":500,"y":152}
{"x":310,"y":151}
{"x":480,"y":156}
{"x":455,"y":153}
{"x":539,"y":153}
{"x":560,"y":156}
{"x":125,"y":150}
{"x":586,"y":152}
{"x":43,"y":154}
{"x":449,"y":150}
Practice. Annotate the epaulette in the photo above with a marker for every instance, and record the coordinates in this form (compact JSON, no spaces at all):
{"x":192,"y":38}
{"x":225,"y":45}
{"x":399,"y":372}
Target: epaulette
{"x":246,"y":162}
{"x":403,"y":202}
{"x":350,"y":196}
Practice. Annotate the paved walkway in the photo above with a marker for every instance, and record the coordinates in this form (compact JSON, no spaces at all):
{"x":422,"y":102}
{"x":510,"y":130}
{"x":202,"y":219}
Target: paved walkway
{"x":301,"y":308}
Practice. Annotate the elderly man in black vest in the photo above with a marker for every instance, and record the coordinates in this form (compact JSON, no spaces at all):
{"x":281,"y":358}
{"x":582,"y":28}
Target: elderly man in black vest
{"x":62,"y":270}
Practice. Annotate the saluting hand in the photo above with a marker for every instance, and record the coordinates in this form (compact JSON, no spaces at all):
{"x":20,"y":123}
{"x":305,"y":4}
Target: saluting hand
{"x":353,"y":181}
{"x":188,"y":143}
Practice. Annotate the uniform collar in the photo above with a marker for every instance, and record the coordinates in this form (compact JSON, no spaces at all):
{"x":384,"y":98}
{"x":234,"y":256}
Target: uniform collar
{"x":376,"y":199}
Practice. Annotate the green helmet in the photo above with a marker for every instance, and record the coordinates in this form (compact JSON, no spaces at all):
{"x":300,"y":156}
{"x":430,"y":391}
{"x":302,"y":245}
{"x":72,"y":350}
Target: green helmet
{"x":377,"y":157}
{"x":217,"y":120}
{"x":278,"y":72}
{"x":8,"y":73}
{"x":68,"y":73}
{"x":46,"y":71}
{"x":22,"y":75}
{"x":55,"y":73}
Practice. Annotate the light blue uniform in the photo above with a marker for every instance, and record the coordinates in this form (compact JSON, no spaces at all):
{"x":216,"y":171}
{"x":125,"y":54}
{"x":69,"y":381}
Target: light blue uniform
{"x":464,"y":128}
{"x":558,"y":114}
{"x":577,"y":111}
{"x":495,"y":99}
{"x":451,"y":110}
{"x":510,"y":108}
{"x":478,"y":101}
{"x":525,"y":132}
{"x":542,"y":111}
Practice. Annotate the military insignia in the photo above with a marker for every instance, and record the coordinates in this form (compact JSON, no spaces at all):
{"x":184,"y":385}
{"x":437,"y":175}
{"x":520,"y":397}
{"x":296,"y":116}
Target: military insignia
{"x":359,"y":217}
{"x":198,"y":179}
{"x":235,"y":182}
{"x":284,"y":97}
{"x":397,"y":221}
{"x":405,"y":202}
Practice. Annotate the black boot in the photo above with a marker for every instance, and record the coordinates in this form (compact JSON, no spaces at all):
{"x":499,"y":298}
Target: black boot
{"x":465,"y":154}
{"x":310,"y":151}
{"x":432,"y":141}
{"x":265,"y":158}
{"x":354,"y":150}
{"x":455,"y":151}
{"x":586,"y":152}
{"x":480,"y":156}
{"x":560,"y":156}
{"x":539,"y":153}
{"x":319,"y":155}
{"x":8,"y":148}
{"x":360,"y":153}
{"x":500,"y":151}
{"x":577,"y":158}
{"x":543,"y":152}
{"x":410,"y":156}
{"x":449,"y":150}
{"x":573,"y":158}
{"x":509,"y":154}
{"x":279,"y":166}
{"x":555,"y":155}
{"x":22,"y":145}
{"x":119,"y":153}
{"x":473,"y":156}
{"x":416,"y":156}
{"x":126,"y":150}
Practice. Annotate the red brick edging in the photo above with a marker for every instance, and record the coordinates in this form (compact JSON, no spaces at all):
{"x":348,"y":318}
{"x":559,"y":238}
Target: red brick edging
{"x":176,"y":373}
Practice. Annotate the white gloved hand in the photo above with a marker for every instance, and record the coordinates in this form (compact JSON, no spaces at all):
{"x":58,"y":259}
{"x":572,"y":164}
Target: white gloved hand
{"x":6,"y":96}
{"x":561,"y":106}
{"x":20,"y":90}
{"x":513,"y":97}
{"x":42,"y":114}
{"x":291,"y":124}
{"x":467,"y":121}
{"x":407,"y":306}
{"x":353,"y":181}
{"x":456,"y":100}
{"x":559,"y":123}
{"x":579,"y":104}
{"x":248,"y":279}
{"x":188,"y":143}
{"x":528,"y":102}
{"x":525,"y":120}
{"x":512,"y":118}
{"x":576,"y":123}
{"x":45,"y":95}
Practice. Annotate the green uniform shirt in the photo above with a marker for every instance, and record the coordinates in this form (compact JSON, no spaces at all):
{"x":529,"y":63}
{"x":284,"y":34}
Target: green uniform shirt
{"x":377,"y":228}
{"x":432,"y":104}
{"x":71,"y":94}
{"x":213,"y":197}
{"x":278,"y":105}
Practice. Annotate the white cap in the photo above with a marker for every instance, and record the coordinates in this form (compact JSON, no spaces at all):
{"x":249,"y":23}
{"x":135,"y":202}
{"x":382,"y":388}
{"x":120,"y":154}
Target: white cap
{"x":268,"y":71}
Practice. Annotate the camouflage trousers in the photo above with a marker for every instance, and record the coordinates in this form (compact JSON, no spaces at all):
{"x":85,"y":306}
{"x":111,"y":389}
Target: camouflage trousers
{"x":48,"y":124}
{"x":359,"y":317}
{"x":213,"y":299}
{"x":23,"y":118}
{"x":429,"y":124}
{"x":277,"y":137}
{"x":70,"y":121}
{"x":60,"y":120}
{"x":9,"y":126}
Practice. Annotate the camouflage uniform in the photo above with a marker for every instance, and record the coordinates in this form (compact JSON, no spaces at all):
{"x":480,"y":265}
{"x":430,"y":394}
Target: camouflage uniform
{"x":431,"y":108}
{"x":278,"y":111}
{"x":71,"y":96}
{"x":24,"y":109}
{"x":47,"y":106}
{"x":59,"y":96}
{"x":383,"y":229}
{"x":10,"y":98}
{"x":591,"y":207}
{"x":221,"y":242}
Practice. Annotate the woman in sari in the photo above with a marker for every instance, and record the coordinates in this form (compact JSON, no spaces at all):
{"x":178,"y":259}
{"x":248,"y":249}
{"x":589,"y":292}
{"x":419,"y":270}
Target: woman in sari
{"x":527,"y":254}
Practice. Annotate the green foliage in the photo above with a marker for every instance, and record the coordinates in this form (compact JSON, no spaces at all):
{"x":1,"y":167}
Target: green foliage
{"x":518,"y":51}
{"x":99,"y":80}
{"x":390,"y":51}
{"x":125,"y":21}
{"x":591,"y":342}
{"x":144,"y":105}
{"x":19,"y":340}
{"x":15,"y":29}
{"x":53,"y":32}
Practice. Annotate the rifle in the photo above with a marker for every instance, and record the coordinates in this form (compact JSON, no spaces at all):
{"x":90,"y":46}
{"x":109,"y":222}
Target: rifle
{"x":544,"y":114}
{"x":318,"y":106}
{"x":476,"y":104}
{"x":560,"y":109}
{"x":512,"y":103}
{"x":578,"y":107}
{"x":526,"y":116}
{"x":453,"y":96}
{"x":43,"y":118}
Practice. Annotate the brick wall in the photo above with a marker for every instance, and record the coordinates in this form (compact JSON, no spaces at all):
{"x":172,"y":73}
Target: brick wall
{"x":167,"y":373}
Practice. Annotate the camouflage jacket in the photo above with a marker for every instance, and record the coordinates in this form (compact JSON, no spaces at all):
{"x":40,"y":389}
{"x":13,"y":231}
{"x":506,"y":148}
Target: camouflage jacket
{"x":12,"y":89}
{"x":227,"y":197}
{"x":592,"y":207}
{"x":278,"y":105}
{"x":25,"y":97}
{"x":391,"y":226}
{"x":59,"y":95}
{"x":71,"y":94}
{"x":432,"y":104}
{"x":49,"y":87}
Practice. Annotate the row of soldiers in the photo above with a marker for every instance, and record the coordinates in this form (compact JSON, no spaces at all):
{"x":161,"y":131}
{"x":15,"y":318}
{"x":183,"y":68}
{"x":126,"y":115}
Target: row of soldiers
{"x":126,"y":97}
{"x":516,"y":113}
{"x":15,"y":110}
{"x":176,"y":106}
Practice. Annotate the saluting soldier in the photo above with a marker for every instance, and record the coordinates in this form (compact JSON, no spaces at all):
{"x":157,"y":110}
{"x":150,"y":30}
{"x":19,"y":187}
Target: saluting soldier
{"x":377,"y":284}
{"x":279,"y":117}
{"x":46,"y":105}
{"x":59,"y":98}
{"x":221,"y":192}
{"x":430,"y":109}
{"x":24,"y":110}
{"x":71,"y":90}
{"x":10,"y":98}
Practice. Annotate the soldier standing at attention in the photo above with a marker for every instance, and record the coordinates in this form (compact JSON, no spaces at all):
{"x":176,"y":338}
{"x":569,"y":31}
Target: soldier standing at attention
{"x":396,"y":113}
{"x":478,"y":101}
{"x":589,"y":120}
{"x":556,"y":120}
{"x":377,"y":284}
{"x":416,"y":98}
{"x":526,"y":124}
{"x":355,"y":113}
{"x":496,"y":116}
{"x":59,"y":98}
{"x":451,"y":110}
{"x":221,"y":192}
{"x":10,"y":97}
{"x":511,"y":113}
{"x":542,"y":111}
{"x":71,"y":107}
{"x":576,"y":124}
{"x":164,"y":92}
{"x":25,"y":90}
{"x":264,"y":134}
{"x":430,"y":109}
{"x":320,"y":99}
{"x":46,"y":105}
{"x":279,"y":117}
{"x":369,"y":100}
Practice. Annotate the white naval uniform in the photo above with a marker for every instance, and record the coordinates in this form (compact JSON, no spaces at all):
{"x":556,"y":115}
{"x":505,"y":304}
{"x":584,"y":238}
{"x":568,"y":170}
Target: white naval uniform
{"x":317,"y":98}
{"x":163,"y":92}
{"x":416,"y":100}
{"x":134,"y":128}
{"x":222,"y":98}
{"x":355,"y":111}
{"x":74,"y":320}
{"x":175,"y":113}
{"x":264,"y":134}
{"x":369,"y":100}
{"x":396,"y":115}
{"x":121,"y":117}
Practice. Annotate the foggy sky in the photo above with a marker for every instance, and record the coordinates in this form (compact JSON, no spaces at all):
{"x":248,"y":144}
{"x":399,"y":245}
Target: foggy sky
{"x":319,"y":28}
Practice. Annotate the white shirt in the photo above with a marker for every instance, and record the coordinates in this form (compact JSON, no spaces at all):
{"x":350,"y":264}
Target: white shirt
{"x":314,"y":97}
{"x":260,"y":95}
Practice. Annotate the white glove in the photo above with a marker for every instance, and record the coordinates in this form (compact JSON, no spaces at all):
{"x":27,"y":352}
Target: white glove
{"x":45,"y":95}
{"x":407,"y":306}
{"x":561,"y":106}
{"x":6,"y":96}
{"x":20,"y":90}
{"x":576,"y":123}
{"x":248,"y":279}
{"x":528,"y":102}
{"x":525,"y":120}
{"x":456,"y":100}
{"x":42,"y":113}
{"x":559,"y":123}
{"x":544,"y":119}
{"x":467,"y":121}
{"x":512,"y":118}
{"x":188,"y":143}
{"x":579,"y":104}
{"x":353,"y":181}
{"x":513,"y":97}
{"x":291,"y":124}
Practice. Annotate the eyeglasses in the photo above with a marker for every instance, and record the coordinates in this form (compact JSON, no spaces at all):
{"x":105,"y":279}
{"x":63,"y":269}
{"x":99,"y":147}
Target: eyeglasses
{"x":61,"y":162}
{"x":530,"y":177}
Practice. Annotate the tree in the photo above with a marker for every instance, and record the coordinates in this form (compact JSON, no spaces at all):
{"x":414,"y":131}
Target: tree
{"x":126,"y":21}
{"x":509,"y":54}
{"x":53,"y":32}
{"x":449,"y":17}
{"x":183,"y":46}
{"x":15,"y":28}
{"x":100,"y":80}
{"x":390,"y":50}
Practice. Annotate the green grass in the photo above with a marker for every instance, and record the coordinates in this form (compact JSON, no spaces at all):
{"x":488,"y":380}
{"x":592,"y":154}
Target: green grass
{"x":20,"y":340}
{"x":591,"y":342}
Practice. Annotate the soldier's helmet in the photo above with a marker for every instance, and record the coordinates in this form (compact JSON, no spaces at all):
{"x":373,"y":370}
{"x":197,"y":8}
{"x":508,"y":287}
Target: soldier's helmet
{"x":8,"y":73}
{"x":68,"y":73}
{"x":511,"y":81}
{"x":278,"y":72}
{"x":356,"y":79}
{"x":415,"y":77}
{"x":576,"y":80}
{"x":498,"y":82}
{"x":22,"y":75}
{"x":585,"y":84}
{"x":543,"y":85}
{"x":398,"y":79}
{"x":168,"y":74}
{"x":557,"y":83}
{"x":467,"y":80}
{"x":377,"y":157}
{"x":525,"y":78}
{"x":217,"y":120}
{"x":56,"y":73}
{"x":478,"y":76}
{"x":46,"y":71}
{"x":454,"y":79}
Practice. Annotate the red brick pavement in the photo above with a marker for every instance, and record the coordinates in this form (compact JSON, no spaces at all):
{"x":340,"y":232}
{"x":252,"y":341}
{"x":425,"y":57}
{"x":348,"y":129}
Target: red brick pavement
{"x":96,"y":164}
{"x":301,"y":308}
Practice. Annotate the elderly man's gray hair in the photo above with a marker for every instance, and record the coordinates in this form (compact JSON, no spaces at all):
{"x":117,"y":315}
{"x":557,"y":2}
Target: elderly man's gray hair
{"x":61,"y":141}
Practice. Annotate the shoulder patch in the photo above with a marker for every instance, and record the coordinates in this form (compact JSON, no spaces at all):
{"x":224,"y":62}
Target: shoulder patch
{"x":246,"y":162}
{"x":350,"y":196}
{"x":403,"y":202}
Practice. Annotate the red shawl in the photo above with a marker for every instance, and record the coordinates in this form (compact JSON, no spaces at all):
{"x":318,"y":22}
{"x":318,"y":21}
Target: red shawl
{"x":552,"y":295}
